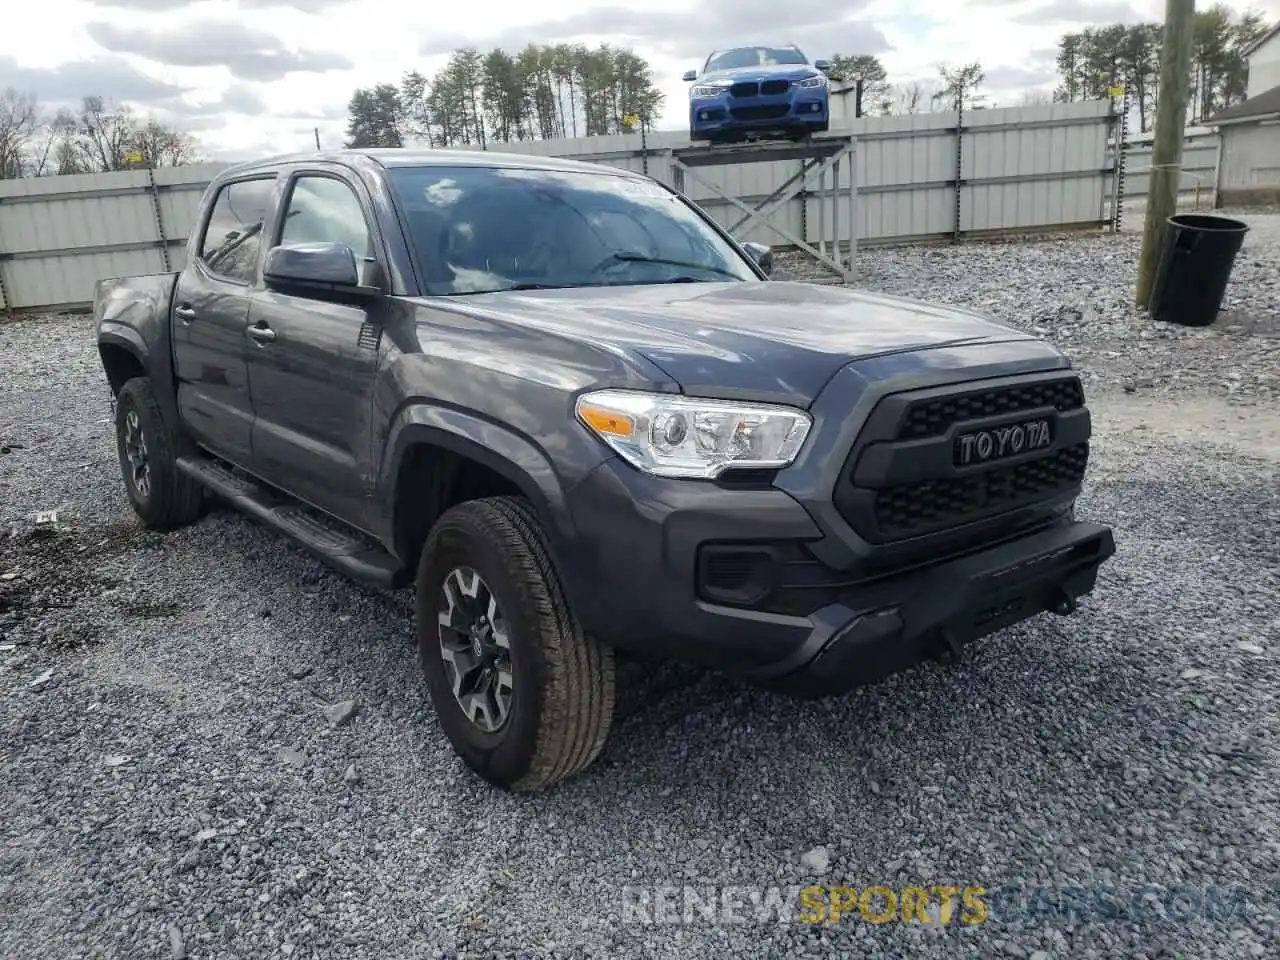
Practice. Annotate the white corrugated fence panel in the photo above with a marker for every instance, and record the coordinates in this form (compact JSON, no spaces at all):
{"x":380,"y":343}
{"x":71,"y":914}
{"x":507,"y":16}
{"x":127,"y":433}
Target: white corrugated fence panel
{"x":1024,"y":168}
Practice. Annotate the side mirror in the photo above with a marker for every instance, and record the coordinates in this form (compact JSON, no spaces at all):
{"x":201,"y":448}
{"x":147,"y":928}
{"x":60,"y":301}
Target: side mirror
{"x":761,"y":254}
{"x":823,"y":65}
{"x":316,"y":269}
{"x":690,"y":75}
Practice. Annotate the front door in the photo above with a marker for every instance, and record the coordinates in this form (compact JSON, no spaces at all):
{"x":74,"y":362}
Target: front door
{"x":312,"y":381}
{"x":210,"y":312}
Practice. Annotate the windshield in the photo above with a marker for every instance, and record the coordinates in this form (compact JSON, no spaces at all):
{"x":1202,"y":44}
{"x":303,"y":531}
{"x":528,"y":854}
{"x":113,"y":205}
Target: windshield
{"x":745,"y":57}
{"x":485,"y":229}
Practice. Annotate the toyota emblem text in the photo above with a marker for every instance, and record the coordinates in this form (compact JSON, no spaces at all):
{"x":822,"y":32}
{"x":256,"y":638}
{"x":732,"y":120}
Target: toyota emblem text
{"x":1000,"y":442}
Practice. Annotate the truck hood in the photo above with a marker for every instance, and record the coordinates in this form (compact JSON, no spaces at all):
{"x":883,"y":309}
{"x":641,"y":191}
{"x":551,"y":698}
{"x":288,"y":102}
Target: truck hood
{"x":776,"y":340}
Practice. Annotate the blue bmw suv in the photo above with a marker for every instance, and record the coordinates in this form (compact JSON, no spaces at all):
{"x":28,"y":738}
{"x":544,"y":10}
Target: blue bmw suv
{"x":758,"y":92}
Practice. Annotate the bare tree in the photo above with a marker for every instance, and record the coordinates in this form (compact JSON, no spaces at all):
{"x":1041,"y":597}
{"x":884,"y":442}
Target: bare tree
{"x":19,"y":125}
{"x":910,"y":97}
{"x":161,"y":146}
{"x":99,"y":137}
{"x":106,"y":133}
{"x":1036,"y":98}
{"x":64,"y":143}
{"x":960,"y":85}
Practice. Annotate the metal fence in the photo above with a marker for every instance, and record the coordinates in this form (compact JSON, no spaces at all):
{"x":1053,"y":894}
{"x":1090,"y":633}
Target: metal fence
{"x":1018,"y":169}
{"x":1199,"y":166}
{"x":917,"y":178}
{"x":60,"y":235}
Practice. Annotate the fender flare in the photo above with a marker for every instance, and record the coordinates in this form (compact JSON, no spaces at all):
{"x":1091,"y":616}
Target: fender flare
{"x":491,"y":444}
{"x":156,"y":360}
{"x":112,"y":334}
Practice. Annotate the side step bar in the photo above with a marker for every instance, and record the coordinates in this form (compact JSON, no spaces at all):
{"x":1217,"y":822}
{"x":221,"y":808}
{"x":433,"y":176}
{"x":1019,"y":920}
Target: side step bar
{"x":341,"y":547}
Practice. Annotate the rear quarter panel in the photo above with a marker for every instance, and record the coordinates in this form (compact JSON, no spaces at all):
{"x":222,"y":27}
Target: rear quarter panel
{"x":133,"y":314}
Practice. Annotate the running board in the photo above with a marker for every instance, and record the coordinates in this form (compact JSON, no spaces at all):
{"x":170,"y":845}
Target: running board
{"x":338,"y":545}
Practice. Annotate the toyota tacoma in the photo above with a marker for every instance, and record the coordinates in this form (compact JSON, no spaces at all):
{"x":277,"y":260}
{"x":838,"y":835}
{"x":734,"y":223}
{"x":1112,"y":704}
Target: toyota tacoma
{"x":582,"y":421}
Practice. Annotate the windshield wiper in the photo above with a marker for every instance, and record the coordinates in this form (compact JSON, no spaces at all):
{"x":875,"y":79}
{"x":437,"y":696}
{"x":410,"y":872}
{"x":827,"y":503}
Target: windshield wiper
{"x":641,"y":258}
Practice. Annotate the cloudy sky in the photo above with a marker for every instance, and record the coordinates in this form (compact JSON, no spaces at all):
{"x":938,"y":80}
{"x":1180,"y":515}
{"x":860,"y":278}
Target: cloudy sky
{"x":256,"y":76}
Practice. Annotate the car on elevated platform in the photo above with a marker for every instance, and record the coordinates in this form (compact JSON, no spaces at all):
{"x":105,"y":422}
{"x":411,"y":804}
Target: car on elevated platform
{"x":758,"y":92}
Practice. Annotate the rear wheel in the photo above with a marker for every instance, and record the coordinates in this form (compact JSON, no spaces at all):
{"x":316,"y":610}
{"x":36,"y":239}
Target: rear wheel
{"x":162,"y":496}
{"x":524,"y":696}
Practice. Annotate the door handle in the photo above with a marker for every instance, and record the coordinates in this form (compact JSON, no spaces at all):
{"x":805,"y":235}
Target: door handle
{"x":262,"y":334}
{"x":184,"y":312}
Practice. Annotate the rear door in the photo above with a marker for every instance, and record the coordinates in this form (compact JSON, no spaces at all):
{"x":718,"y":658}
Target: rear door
{"x":210,"y":313}
{"x":312,"y":376}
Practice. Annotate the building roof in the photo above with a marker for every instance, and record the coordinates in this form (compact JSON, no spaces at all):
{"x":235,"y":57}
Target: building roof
{"x":1265,"y":104}
{"x":1257,"y":44}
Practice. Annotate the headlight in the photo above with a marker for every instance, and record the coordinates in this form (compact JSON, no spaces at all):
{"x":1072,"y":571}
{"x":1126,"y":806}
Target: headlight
{"x":675,"y":436}
{"x":811,"y":82}
{"x":713,"y":89}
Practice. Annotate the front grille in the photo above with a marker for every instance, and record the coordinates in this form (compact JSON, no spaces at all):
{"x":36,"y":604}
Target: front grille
{"x":912,"y":509}
{"x":745,"y":90}
{"x":932,"y":418}
{"x":900,"y":481}
{"x":760,"y":113}
{"x":771,"y":88}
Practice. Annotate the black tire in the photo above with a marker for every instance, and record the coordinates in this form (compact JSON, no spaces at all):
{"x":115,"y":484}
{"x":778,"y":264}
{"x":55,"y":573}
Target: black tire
{"x":563,"y":684}
{"x":168,"y":498}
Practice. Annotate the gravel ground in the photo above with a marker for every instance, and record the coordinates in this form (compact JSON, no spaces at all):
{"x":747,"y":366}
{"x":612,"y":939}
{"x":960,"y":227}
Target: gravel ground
{"x":170,"y":784}
{"x":1080,"y":294}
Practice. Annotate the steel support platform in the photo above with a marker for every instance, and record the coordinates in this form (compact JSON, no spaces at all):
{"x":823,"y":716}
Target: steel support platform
{"x":820,"y":158}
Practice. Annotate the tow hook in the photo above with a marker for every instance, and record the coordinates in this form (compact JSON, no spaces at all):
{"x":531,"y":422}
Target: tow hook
{"x":1065,"y":604}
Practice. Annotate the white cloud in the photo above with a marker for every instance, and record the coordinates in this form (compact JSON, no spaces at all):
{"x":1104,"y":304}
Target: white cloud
{"x":230,"y":66}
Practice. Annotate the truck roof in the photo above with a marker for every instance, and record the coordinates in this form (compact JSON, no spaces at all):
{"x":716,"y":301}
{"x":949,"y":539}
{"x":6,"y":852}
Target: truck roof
{"x":419,"y":157}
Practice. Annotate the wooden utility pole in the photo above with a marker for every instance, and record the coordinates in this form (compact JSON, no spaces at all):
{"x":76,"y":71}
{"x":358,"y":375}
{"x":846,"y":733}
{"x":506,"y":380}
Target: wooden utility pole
{"x":1166,"y":150}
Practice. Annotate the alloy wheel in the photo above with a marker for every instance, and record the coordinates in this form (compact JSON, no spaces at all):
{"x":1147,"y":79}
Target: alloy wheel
{"x":135,"y":451}
{"x":475,"y":647}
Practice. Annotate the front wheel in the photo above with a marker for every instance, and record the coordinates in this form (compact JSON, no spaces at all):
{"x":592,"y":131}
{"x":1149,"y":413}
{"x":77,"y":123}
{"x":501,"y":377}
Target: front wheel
{"x":524,"y":696}
{"x":161,"y":495}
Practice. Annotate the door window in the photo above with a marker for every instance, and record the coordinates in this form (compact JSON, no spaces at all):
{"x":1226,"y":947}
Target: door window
{"x":326,"y":210}
{"x":233,"y":235}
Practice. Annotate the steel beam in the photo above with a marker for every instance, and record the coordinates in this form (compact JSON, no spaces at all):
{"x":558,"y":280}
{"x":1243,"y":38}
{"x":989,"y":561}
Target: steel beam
{"x":818,"y":157}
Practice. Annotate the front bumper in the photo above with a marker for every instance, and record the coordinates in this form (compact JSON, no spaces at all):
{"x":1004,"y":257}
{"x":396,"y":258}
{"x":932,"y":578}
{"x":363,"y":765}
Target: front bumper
{"x":939,"y":610}
{"x":800,"y":109}
{"x":637,"y":582}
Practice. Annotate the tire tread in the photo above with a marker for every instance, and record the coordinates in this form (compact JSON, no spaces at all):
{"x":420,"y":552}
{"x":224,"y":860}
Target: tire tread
{"x":578,"y":670}
{"x":176,"y":499}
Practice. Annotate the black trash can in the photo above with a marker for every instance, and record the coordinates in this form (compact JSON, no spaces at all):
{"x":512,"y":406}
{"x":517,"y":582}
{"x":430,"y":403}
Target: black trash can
{"x":1195,"y":264}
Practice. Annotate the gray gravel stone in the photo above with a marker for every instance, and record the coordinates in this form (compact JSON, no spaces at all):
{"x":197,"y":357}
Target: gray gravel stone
{"x":341,"y":713}
{"x":1066,"y":754}
{"x":817,"y":860}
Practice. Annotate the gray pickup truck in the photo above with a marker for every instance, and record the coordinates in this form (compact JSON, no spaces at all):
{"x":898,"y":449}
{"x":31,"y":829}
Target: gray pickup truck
{"x":583,"y":422}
